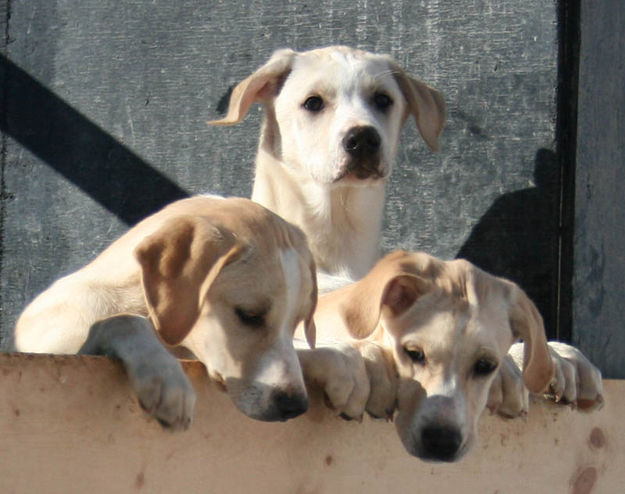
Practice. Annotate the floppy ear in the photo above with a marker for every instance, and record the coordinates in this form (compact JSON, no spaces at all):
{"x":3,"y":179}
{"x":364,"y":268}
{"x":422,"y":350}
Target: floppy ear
{"x":426,"y":105}
{"x":527,"y":323}
{"x":261,"y":85}
{"x":386,"y":287}
{"x":309,"y":324}
{"x":179,"y":262}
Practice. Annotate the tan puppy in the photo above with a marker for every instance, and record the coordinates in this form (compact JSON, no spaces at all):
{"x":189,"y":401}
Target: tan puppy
{"x":328,"y":142}
{"x":225,"y":278}
{"x":434,"y":334}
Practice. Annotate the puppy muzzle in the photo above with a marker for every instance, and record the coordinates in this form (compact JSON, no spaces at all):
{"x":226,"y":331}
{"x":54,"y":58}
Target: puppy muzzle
{"x":363,"y":148}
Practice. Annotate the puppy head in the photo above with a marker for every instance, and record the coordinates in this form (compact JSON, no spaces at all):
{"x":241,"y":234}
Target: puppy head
{"x":333,"y":115}
{"x":231,"y":286}
{"x":449,"y":325}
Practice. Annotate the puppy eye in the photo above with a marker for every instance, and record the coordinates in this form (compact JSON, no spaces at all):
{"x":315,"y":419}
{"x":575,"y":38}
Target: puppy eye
{"x":484,"y":367}
{"x":313,"y":104}
{"x":250,"y":318}
{"x":416,"y":355}
{"x":382,"y":101}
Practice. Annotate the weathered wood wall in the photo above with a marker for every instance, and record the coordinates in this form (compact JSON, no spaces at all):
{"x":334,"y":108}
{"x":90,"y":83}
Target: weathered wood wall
{"x":71,"y":425}
{"x":106,"y":106}
{"x":103,"y":110}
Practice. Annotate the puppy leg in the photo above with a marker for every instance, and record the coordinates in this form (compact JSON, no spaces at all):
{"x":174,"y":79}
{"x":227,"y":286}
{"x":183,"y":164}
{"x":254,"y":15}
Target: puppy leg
{"x":508,"y":395}
{"x":383,"y":379}
{"x":576,"y":380}
{"x":339,"y":370}
{"x":156,"y":376}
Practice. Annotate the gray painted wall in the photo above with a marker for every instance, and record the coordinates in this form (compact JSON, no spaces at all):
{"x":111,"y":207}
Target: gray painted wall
{"x":106,"y":104}
{"x":599,"y":289}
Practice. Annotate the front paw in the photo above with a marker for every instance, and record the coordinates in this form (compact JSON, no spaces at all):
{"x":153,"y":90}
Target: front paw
{"x":383,"y":379}
{"x":576,"y":380}
{"x":339,"y":370}
{"x":164,"y":391}
{"x":508,"y":395}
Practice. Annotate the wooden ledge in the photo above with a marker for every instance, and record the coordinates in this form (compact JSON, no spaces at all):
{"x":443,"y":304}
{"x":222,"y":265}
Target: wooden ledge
{"x":70,"y":424}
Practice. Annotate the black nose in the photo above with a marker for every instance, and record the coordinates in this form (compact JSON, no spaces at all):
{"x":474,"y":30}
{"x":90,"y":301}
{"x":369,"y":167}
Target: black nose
{"x":440,"y":442}
{"x":362,"y":142}
{"x":289,"y":405}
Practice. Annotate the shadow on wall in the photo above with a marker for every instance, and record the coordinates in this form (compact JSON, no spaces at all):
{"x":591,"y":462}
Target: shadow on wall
{"x":517,"y":238}
{"x":79,"y":150}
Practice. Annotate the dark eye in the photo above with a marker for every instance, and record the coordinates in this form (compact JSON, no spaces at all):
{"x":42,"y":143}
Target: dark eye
{"x":382,"y":101}
{"x":416,"y":355}
{"x":254,"y":319}
{"x":484,"y":367}
{"x":313,"y":104}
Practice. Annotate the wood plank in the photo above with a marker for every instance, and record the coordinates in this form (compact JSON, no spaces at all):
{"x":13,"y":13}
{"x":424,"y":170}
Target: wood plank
{"x":71,"y":425}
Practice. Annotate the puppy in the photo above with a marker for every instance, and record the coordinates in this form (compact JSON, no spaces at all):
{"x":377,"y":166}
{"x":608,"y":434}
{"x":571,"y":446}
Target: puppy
{"x":434,"y":335}
{"x":224,"y":278}
{"x":328,"y":142}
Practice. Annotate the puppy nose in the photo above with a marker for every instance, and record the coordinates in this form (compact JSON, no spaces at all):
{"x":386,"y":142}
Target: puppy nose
{"x":440,"y":442}
{"x":290,"y":405}
{"x":361,"y":142}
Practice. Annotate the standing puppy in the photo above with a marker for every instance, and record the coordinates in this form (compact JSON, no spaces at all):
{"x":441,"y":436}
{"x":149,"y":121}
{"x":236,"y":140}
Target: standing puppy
{"x":328,"y":143}
{"x":225,"y":278}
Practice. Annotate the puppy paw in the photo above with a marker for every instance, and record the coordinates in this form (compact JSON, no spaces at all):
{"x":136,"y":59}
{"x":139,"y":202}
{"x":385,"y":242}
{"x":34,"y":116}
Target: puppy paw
{"x":383,"y":379}
{"x":339,"y":370}
{"x":576,"y":380}
{"x":164,"y":391}
{"x":508,"y":395}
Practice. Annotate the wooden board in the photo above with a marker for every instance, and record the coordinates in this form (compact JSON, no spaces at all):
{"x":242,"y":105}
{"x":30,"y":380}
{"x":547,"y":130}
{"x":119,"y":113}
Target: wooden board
{"x":71,"y":425}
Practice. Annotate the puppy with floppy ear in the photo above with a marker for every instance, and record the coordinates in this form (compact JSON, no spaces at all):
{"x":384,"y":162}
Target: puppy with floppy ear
{"x":444,"y":329}
{"x":328,"y":142}
{"x":224,"y":278}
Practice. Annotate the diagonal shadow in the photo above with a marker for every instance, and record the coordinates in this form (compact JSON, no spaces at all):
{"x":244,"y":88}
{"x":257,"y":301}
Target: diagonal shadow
{"x":79,"y":150}
{"x":517,"y":238}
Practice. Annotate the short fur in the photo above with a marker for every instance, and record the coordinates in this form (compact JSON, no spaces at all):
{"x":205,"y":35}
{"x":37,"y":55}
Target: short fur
{"x":209,"y":274}
{"x":435,"y":335}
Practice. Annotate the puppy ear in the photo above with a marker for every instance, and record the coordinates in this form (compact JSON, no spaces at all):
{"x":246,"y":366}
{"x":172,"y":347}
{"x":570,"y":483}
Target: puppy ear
{"x":309,"y":324}
{"x":179,"y":262}
{"x":426,"y":105}
{"x":386,"y":287}
{"x":527,"y":323}
{"x":260,"y":86}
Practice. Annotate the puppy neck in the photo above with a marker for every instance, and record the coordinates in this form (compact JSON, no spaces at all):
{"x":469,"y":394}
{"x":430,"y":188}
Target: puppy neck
{"x":342,"y":223}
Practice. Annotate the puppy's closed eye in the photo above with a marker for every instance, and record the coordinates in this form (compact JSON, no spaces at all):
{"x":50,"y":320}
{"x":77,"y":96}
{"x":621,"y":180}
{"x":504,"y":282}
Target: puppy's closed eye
{"x":251,"y":318}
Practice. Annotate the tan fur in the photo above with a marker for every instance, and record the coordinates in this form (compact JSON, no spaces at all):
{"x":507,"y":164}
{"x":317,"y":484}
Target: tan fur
{"x":210,"y":275}
{"x":456,"y":315}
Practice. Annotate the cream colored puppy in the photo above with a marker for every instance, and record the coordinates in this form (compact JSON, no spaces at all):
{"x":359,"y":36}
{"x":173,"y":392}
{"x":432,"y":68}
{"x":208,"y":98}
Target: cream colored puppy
{"x":224,"y":278}
{"x":434,"y":335}
{"x":328,"y":142}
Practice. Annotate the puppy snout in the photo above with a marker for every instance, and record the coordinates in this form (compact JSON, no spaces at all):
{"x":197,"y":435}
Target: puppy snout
{"x":440,"y":442}
{"x":289,"y":405}
{"x":361,"y":142}
{"x":362,"y":145}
